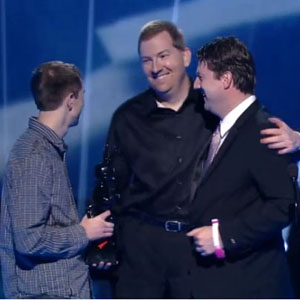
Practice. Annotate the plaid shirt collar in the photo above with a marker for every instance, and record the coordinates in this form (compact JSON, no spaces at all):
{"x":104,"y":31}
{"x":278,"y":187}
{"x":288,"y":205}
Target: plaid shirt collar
{"x":49,"y":134}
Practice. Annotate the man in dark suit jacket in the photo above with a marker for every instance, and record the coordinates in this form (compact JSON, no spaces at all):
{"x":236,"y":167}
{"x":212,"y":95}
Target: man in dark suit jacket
{"x":244,"y":188}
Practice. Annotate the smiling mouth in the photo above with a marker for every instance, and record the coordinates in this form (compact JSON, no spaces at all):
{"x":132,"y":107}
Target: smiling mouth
{"x":203,"y":93}
{"x":159,"y":76}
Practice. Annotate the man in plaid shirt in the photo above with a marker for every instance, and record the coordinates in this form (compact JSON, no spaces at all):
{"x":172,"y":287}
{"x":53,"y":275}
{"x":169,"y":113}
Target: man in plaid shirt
{"x":41,"y":237}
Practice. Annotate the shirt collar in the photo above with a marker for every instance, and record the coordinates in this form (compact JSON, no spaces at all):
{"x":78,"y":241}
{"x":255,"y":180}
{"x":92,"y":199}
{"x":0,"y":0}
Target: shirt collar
{"x":152,"y":106}
{"x":229,"y":120}
{"x":48,"y":133}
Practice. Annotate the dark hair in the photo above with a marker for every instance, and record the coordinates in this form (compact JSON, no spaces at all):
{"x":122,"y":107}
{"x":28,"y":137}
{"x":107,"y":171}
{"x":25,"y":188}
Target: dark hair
{"x":52,"y":81}
{"x":153,"y":28}
{"x":230,"y":54}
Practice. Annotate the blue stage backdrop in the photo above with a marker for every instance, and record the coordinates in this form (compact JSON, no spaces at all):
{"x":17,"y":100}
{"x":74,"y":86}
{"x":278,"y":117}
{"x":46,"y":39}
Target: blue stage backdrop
{"x":100,"y":37}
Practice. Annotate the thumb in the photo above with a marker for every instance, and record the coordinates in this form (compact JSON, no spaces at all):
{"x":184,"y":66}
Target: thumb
{"x":193,"y":232}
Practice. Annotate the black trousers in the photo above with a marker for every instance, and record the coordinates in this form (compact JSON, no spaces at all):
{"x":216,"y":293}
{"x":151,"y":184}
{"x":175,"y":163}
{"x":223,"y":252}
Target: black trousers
{"x":154,"y":263}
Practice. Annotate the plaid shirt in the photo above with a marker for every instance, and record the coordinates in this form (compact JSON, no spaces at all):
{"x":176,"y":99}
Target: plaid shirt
{"x":41,"y":241}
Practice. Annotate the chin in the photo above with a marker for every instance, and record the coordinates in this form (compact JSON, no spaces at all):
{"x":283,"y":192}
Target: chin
{"x":161,"y":91}
{"x":206,"y":105}
{"x":161,"y":88}
{"x":74,"y":123}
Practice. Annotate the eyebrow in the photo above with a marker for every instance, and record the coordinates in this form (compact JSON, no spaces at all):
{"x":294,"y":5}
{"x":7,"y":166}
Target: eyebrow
{"x":159,"y":53}
{"x":166,"y":50}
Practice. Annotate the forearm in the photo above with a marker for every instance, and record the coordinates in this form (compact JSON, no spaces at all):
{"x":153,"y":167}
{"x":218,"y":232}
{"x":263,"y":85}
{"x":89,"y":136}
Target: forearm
{"x":51,"y":241}
{"x":40,"y":226}
{"x":253,"y":228}
{"x":266,"y":209}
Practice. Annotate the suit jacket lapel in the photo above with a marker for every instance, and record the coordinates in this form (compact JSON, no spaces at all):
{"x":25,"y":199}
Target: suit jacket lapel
{"x":235,"y":129}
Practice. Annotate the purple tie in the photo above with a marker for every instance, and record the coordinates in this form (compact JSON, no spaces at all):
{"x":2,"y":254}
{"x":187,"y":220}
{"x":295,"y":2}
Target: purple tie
{"x":213,"y":148}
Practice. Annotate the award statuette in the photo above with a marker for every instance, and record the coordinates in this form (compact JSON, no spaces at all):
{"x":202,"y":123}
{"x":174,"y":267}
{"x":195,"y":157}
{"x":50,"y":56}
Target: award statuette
{"x":104,"y":196}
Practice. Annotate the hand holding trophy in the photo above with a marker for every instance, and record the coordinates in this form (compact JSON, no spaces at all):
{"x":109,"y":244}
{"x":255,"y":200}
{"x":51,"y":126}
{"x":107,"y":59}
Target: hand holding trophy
{"x":103,"y":251}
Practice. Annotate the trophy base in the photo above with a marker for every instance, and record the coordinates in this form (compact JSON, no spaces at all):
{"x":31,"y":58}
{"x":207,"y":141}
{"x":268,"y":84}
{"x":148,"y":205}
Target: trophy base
{"x":104,"y":251}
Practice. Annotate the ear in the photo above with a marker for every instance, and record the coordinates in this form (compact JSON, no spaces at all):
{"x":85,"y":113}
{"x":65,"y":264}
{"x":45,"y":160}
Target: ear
{"x":187,"y":56}
{"x":69,"y":100}
{"x":227,"y":79}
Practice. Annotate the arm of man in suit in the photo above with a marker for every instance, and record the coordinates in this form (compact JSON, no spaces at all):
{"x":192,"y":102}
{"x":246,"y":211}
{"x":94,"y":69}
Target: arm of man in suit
{"x":282,"y":138}
{"x":264,"y":219}
{"x":268,"y":213}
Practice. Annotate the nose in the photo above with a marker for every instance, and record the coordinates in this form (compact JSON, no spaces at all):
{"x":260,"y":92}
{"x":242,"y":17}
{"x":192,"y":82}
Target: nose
{"x":197,"y":84}
{"x":156,"y":66}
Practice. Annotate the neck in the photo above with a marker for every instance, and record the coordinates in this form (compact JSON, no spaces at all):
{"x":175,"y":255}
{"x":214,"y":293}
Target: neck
{"x":175,"y":98}
{"x":55,"y":121}
{"x":232,"y":103}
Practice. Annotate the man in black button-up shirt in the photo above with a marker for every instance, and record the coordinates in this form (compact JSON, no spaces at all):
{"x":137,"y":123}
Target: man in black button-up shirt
{"x":155,"y":141}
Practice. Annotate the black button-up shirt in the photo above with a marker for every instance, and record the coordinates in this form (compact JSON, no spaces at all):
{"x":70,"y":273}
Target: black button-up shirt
{"x":154,"y":152}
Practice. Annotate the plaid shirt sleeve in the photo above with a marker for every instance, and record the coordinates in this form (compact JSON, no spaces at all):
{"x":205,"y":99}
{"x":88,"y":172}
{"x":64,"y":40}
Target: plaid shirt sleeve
{"x":29,"y":184}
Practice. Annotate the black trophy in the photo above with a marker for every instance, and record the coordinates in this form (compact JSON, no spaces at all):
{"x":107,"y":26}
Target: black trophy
{"x":104,"y":197}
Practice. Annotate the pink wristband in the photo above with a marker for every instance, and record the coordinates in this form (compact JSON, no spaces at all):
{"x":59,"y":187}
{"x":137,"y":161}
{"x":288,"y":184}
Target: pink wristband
{"x":219,"y":252}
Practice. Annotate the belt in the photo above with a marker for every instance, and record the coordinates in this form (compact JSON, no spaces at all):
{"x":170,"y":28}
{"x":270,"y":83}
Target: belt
{"x":168,"y":225}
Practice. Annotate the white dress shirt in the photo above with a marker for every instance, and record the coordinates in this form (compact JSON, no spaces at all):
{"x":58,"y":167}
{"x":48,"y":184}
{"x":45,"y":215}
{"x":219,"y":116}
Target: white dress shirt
{"x":228,"y":121}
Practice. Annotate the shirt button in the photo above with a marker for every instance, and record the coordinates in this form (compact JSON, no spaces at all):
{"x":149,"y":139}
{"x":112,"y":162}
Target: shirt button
{"x":178,"y":137}
{"x":180,"y":160}
{"x":232,"y":241}
{"x":179,"y":182}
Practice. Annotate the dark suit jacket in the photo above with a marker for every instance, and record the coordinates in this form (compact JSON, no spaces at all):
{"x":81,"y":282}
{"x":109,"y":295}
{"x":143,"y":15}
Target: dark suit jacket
{"x":248,"y":189}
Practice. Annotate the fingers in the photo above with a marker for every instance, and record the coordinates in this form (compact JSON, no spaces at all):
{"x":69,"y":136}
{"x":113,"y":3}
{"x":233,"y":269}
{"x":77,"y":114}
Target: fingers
{"x":279,"y":123}
{"x":99,"y":266}
{"x":277,"y":143}
{"x":109,"y":225}
{"x":108,"y":231}
{"x":270,"y":132}
{"x":106,"y":225}
{"x":270,"y":140}
{"x":201,"y":251}
{"x":97,"y":227}
{"x":105,"y":214}
{"x":102,"y":265}
{"x":203,"y":240}
{"x":284,"y":151}
{"x":277,"y":138}
{"x":194,"y":234}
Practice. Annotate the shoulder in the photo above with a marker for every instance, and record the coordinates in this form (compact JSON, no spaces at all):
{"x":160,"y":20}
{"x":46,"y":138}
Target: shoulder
{"x":136,"y":103}
{"x":31,"y":150}
{"x":134,"y":106}
{"x":255,"y":118}
{"x":262,"y":118}
{"x":252,"y":136}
